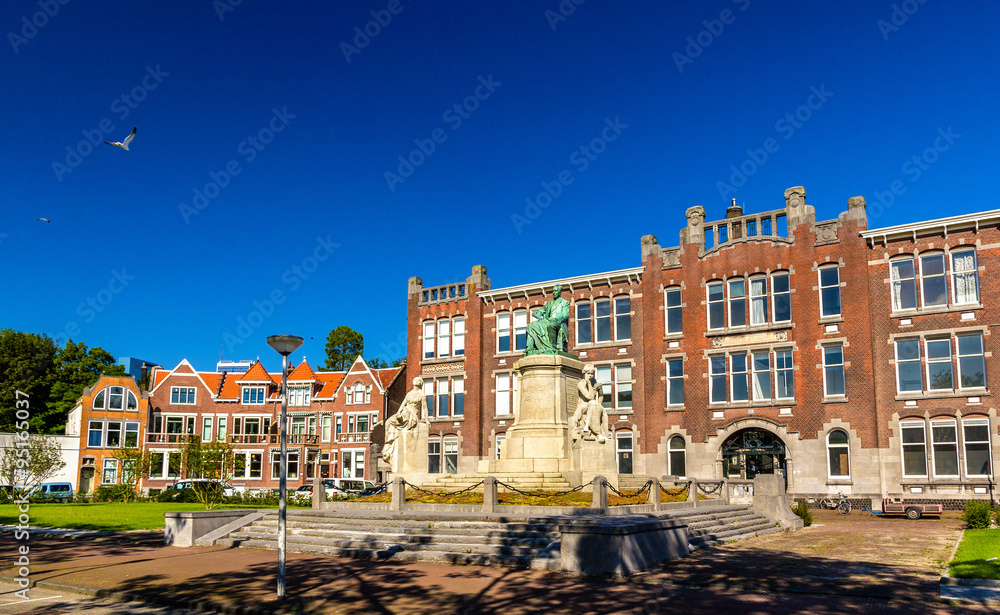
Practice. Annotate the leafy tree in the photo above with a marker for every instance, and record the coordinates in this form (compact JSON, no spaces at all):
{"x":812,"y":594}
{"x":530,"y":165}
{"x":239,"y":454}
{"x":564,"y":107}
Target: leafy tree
{"x":398,"y":363}
{"x":75,"y":368}
{"x":378,"y":363}
{"x":33,"y":464}
{"x":135,"y":464}
{"x":212,"y":460}
{"x":343,"y":345}
{"x":26,"y":360}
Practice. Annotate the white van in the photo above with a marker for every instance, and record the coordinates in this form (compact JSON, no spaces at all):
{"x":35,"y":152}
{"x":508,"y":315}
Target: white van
{"x":53,"y":492}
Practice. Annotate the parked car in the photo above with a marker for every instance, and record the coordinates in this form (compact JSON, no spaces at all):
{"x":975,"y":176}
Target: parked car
{"x":208,"y":483}
{"x":341,"y":487}
{"x":53,"y":492}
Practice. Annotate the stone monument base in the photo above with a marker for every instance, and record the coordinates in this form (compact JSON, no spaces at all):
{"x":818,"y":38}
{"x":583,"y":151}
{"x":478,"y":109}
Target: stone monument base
{"x":591,"y":458}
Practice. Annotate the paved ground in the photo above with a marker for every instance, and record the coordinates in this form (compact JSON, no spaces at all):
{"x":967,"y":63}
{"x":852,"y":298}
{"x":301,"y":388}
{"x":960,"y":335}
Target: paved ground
{"x":45,"y":602}
{"x":843,"y":564}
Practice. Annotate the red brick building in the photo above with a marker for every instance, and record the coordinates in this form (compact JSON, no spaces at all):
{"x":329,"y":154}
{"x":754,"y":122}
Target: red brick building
{"x":330,"y":419}
{"x":761,"y":342}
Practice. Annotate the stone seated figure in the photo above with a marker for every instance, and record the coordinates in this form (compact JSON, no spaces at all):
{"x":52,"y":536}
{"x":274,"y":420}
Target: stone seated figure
{"x":590,"y":419}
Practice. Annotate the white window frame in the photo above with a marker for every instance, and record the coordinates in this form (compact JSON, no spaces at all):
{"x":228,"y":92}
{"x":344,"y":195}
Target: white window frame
{"x":618,"y":316}
{"x":621,"y":383}
{"x":774,"y":296}
{"x":756,"y":297}
{"x":131,"y":402}
{"x":896,"y":281}
{"x":761,"y":375}
{"x":675,"y":381}
{"x":977,"y":422}
{"x":220,"y":432}
{"x":500,"y":437}
{"x":914,"y":425}
{"x":519,"y":327}
{"x":710,"y":303}
{"x":672,"y":450}
{"x":584,"y":324}
{"x":971,"y":273}
{"x":830,"y":447}
{"x":953,"y":445}
{"x":247,"y":395}
{"x":99,"y":431}
{"x":740,"y":299}
{"x":789,"y":370}
{"x":458,"y":336}
{"x":504,"y":330}
{"x":959,"y":356}
{"x":899,"y":362}
{"x":207,"y":425}
{"x":840,"y":367}
{"x":449,"y":448}
{"x":429,"y":338}
{"x":504,"y":394}
{"x":326,"y":428}
{"x":670,"y":307}
{"x":940,"y":342}
{"x":598,"y":319}
{"x":744,"y":373}
{"x":114,"y":470}
{"x":925,"y":277}
{"x":822,"y":301}
{"x":443,"y":338}
{"x":713,"y":378}
{"x":190,"y":393}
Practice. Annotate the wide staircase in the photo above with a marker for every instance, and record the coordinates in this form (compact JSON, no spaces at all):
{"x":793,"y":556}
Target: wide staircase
{"x":466,"y":538}
{"x":527,"y":481}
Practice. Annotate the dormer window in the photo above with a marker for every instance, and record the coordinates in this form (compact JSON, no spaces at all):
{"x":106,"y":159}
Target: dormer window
{"x":359,"y":394}
{"x":117,"y":396}
{"x":253,"y":395}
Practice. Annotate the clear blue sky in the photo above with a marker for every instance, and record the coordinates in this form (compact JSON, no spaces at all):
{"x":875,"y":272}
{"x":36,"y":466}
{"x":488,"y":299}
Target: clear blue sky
{"x":173,"y":273}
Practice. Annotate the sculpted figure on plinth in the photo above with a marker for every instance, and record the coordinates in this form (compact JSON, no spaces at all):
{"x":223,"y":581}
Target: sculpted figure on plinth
{"x":405,"y":420}
{"x":548,"y":333}
{"x":590,"y":416}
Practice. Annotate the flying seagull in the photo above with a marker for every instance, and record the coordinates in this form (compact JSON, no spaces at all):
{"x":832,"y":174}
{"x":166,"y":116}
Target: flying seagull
{"x":44,"y":220}
{"x":124,"y":144}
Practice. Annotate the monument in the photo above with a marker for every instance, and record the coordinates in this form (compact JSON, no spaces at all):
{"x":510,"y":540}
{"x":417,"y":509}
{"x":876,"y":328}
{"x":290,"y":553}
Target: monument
{"x":405,"y":448}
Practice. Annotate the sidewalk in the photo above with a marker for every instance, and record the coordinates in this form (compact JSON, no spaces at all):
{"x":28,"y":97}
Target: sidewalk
{"x":821,"y":569}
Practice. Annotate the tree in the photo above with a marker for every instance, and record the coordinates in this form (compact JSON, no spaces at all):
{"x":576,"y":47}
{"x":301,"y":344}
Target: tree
{"x":398,"y":362}
{"x":343,"y":344}
{"x":378,"y":363}
{"x":75,"y":368}
{"x":211,"y":460}
{"x":26,"y":360}
{"x":31,"y":465}
{"x":135,"y":466}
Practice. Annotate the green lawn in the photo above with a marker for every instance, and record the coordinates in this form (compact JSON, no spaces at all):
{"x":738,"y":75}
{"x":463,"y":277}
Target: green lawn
{"x":970,"y":559}
{"x":106,"y":516}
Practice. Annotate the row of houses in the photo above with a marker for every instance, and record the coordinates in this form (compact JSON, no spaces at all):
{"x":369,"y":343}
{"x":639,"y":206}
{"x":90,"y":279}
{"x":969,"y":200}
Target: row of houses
{"x":850,"y":359}
{"x":332,"y":419}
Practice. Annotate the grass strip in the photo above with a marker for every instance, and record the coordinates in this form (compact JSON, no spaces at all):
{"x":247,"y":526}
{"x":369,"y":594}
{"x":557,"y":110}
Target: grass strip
{"x":110,"y":516}
{"x":970,"y":561}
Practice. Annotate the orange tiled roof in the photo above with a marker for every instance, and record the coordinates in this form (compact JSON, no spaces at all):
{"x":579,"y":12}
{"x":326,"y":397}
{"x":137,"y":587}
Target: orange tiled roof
{"x":212,"y":380}
{"x":386,"y":375}
{"x":302,"y":372}
{"x":230,"y":388}
{"x":330,"y":380}
{"x":256,"y":373}
{"x":160,"y":376}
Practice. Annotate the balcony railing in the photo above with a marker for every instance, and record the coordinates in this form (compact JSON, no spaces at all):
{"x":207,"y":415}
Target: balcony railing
{"x":256,"y":438}
{"x":764,"y":225}
{"x":353,"y":437}
{"x":169,"y":438}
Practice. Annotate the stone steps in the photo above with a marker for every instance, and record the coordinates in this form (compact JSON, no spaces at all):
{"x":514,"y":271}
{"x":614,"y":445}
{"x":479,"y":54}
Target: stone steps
{"x":720,"y":524}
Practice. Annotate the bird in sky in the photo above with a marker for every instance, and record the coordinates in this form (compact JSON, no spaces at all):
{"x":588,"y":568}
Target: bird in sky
{"x":44,"y":220}
{"x":124,"y":144}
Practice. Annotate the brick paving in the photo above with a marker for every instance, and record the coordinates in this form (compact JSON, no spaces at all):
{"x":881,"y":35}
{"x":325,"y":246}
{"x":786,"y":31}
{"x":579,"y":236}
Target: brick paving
{"x":850,"y":563}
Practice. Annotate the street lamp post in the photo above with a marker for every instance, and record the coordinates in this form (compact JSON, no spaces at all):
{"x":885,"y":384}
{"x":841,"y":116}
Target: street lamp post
{"x":284,"y":345}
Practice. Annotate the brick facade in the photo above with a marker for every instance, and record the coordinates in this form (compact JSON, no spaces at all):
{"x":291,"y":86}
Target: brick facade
{"x":803,"y":350}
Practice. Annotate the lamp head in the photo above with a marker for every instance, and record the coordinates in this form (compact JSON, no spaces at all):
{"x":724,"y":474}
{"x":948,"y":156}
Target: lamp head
{"x":284,"y":344}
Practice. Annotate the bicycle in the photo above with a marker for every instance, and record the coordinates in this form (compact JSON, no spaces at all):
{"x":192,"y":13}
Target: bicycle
{"x":841,"y":505}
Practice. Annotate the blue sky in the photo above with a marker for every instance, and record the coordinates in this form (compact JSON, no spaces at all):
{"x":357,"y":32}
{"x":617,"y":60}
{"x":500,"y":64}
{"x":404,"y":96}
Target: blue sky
{"x":266,"y":176}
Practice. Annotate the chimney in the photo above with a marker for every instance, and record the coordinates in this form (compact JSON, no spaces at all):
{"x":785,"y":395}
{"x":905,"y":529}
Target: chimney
{"x":734,"y":210}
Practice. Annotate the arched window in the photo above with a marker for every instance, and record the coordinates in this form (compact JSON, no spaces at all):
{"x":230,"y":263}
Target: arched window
{"x":99,"y":400}
{"x":676,"y":456}
{"x":131,"y":402}
{"x":838,"y":451}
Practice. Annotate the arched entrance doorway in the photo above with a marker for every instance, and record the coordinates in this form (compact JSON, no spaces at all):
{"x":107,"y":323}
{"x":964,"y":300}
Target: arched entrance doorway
{"x":750,"y":452}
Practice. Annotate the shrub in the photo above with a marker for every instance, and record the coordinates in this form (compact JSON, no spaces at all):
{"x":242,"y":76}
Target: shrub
{"x":187,"y":496}
{"x":802,"y":510}
{"x":111,"y":493}
{"x":977,"y":514}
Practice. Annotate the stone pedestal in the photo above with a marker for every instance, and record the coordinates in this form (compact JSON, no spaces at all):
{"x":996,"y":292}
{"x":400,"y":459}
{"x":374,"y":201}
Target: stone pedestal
{"x":540,"y":438}
{"x":591,"y":458}
{"x":411,"y":452}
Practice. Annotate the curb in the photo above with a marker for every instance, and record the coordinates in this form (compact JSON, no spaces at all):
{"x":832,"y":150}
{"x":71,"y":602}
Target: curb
{"x":202,"y":606}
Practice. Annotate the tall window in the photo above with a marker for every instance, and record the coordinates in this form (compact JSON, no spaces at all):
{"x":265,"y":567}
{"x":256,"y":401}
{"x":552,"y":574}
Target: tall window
{"x":299,"y":395}
{"x":326,"y":426}
{"x":443,"y":397}
{"x":761,"y":376}
{"x":429,"y":339}
{"x":434,"y":455}
{"x":220,"y":433}
{"x":939,"y":367}
{"x":944,"y":435}
{"x":131,"y":435}
{"x":933,"y":287}
{"x":938,"y":364}
{"x":914,"y":445}
{"x":971,"y":361}
{"x":976,"y":435}
{"x":520,"y":329}
{"x":717,"y":379}
{"x":758,"y":300}
{"x":293,"y":465}
{"x":206,"y":429}
{"x":458,"y":395}
{"x":716,"y":306}
{"x":444,"y":338}
{"x":602,"y":322}
{"x":782,"y":295}
{"x":182,"y":395}
{"x":116,"y":398}
{"x":583,"y":317}
{"x":965,"y":277}
{"x":908,"y":377}
{"x":458,"y":336}
{"x":623,"y":440}
{"x":623,"y":318}
{"x":737,"y":303}
{"x":740,"y":377}
{"x":110,"y":474}
{"x":833,"y":371}
{"x":676,"y":454}
{"x":114,"y":434}
{"x":95,"y":434}
{"x":156,"y":465}
{"x":616,"y":385}
{"x":672,"y":306}
{"x":675,"y":382}
{"x":829,"y":291}
{"x":504,"y":397}
{"x":503,"y":332}
{"x":838,"y":450}
{"x":902,"y":273}
{"x":451,"y":455}
{"x":784,"y":375}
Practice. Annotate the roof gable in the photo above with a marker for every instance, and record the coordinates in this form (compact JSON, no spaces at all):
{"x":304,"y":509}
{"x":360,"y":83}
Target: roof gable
{"x":256,"y":373}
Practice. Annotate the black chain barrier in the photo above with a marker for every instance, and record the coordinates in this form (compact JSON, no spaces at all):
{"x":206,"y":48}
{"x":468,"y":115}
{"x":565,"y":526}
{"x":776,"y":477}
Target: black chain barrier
{"x":710,"y":490}
{"x":676,"y":492}
{"x":441,"y":493}
{"x":540,"y":495}
{"x":625,"y":494}
{"x":377,"y":489}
